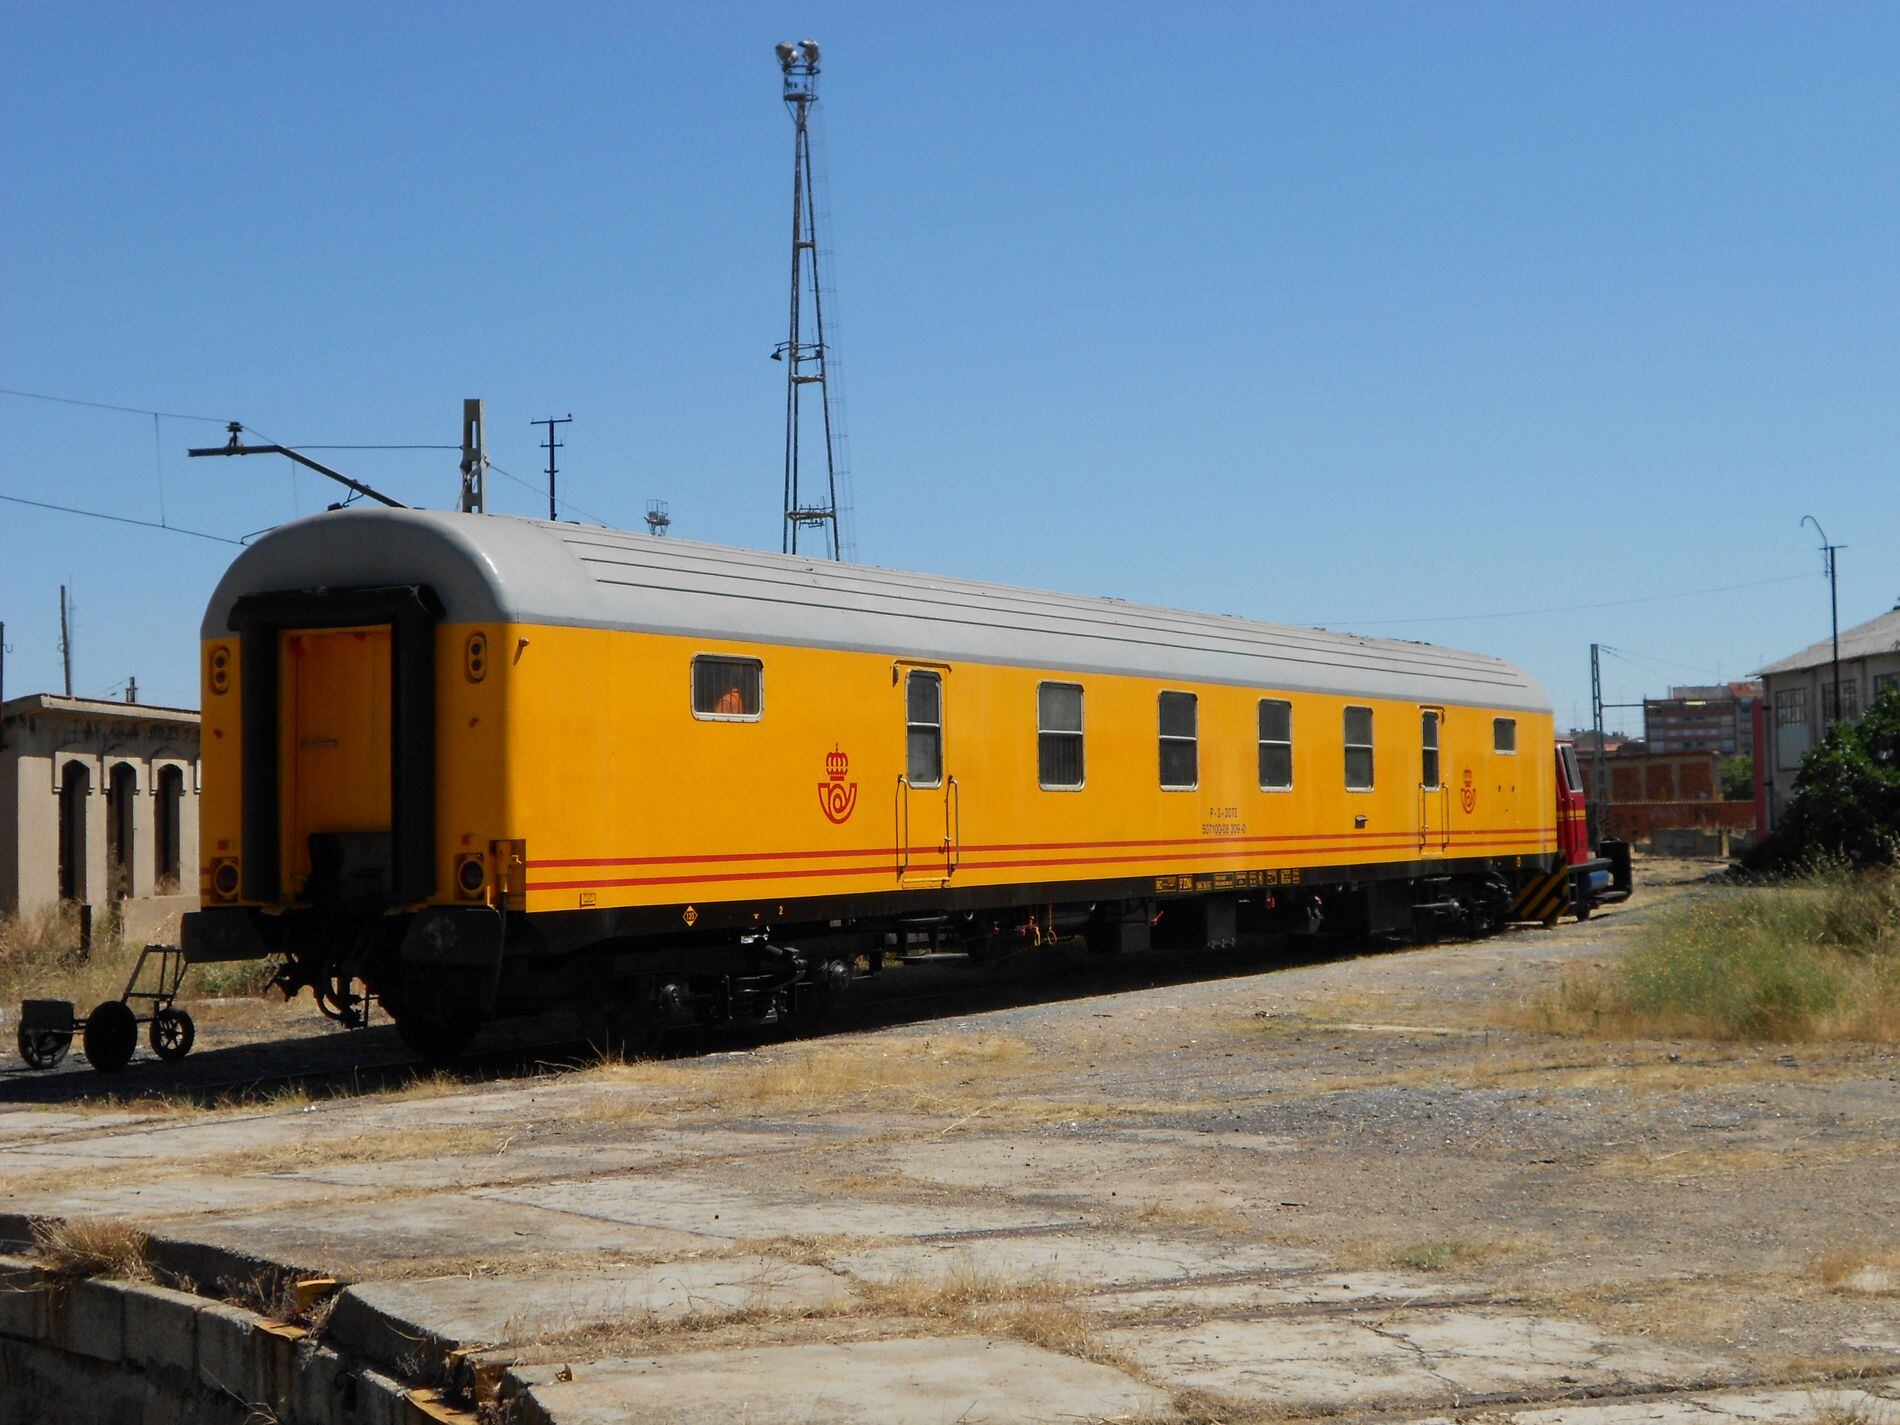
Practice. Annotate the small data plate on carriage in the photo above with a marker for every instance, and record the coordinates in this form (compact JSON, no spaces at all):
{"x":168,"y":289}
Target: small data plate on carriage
{"x":46,"y":1016}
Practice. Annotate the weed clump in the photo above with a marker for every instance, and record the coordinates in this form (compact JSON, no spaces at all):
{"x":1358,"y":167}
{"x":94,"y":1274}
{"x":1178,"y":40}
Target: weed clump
{"x":1815,"y":957}
{"x":92,"y":1247}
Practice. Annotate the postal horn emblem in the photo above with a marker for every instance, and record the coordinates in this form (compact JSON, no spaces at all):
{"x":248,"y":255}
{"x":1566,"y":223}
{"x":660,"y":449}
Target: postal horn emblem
{"x":837,"y":797}
{"x":1468,"y":794}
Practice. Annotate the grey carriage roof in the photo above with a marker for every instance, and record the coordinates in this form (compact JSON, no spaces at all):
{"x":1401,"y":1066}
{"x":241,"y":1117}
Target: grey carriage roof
{"x":497,"y":568}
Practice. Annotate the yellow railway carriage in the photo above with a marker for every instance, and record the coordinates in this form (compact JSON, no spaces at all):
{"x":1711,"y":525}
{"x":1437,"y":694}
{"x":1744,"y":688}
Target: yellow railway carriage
{"x":486,"y":765}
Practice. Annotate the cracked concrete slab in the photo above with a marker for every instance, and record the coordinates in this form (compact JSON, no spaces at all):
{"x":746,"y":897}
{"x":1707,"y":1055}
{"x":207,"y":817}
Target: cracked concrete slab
{"x":386,"y":1319}
{"x":456,"y":1225}
{"x":692,"y":1204}
{"x":1871,"y":1400}
{"x":958,"y":1381}
{"x":1102,"y":1259}
{"x":1421,"y":1357}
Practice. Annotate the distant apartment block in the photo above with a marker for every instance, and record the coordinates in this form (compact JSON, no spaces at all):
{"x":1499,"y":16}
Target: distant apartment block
{"x":1717,"y":718}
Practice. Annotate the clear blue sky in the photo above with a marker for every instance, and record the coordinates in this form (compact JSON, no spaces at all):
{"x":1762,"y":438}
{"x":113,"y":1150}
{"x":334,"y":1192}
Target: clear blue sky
{"x":1360,"y":315}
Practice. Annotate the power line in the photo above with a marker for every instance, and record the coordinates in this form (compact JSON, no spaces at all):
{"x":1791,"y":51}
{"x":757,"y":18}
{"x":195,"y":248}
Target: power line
{"x":106,"y":406}
{"x":119,"y":519}
{"x":649,"y":472}
{"x":1565,"y":608}
{"x":565,"y":504}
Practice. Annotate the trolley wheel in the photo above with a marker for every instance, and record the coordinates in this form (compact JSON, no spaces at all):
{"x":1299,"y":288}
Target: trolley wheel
{"x":43,"y":1048}
{"x":171,"y":1034}
{"x":112,"y":1033}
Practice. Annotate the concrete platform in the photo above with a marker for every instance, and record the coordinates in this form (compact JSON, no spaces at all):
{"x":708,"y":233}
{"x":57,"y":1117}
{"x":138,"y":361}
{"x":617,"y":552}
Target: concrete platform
{"x":960,"y":1381}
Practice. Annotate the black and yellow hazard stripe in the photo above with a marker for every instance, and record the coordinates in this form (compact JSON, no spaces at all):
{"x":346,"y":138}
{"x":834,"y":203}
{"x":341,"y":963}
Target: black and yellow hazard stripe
{"x":1543,"y":898}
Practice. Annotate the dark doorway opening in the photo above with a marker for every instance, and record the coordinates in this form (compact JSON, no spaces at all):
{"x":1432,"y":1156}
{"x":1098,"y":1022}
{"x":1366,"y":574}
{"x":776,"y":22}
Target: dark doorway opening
{"x":165,"y":829}
{"x":122,"y":799}
{"x":75,"y":787}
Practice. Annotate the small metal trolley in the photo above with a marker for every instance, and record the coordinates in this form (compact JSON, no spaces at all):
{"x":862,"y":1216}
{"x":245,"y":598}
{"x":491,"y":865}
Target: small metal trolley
{"x":111,"y":1032}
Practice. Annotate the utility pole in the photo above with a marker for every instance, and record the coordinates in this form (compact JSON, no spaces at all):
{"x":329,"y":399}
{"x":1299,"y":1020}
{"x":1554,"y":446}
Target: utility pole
{"x":131,"y":690}
{"x":1828,"y":552}
{"x":65,"y":640}
{"x":474,"y":459}
{"x":552,"y":445}
{"x":1601,"y":781}
{"x":1602,"y":777}
{"x":804,"y":351}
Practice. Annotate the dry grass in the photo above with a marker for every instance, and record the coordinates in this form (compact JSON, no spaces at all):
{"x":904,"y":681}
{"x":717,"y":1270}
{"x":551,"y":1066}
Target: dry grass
{"x":1202,"y":1212}
{"x":1867,"y":1271}
{"x":40,"y":959}
{"x":898,"y":1073}
{"x":92,"y":1247}
{"x":1449,"y":1254}
{"x":1813,"y":959}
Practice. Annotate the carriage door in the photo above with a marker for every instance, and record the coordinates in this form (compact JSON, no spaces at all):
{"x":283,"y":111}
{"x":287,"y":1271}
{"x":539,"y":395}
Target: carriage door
{"x":927,"y":805}
{"x":1434,"y":797}
{"x":336,"y":761}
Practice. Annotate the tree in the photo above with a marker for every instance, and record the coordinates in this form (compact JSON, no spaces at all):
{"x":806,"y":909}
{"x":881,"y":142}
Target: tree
{"x":1738,"y":778}
{"x":1846,"y":802}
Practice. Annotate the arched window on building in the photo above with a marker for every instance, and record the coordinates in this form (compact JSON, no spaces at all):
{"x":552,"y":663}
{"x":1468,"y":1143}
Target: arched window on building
{"x":165,"y":828}
{"x":75,"y":789}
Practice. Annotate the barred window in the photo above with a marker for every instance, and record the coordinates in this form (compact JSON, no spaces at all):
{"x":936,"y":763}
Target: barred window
{"x":1792,"y":732}
{"x":1504,"y":734}
{"x":1180,"y":742}
{"x":1276,"y":745}
{"x":1059,"y":736}
{"x":728,"y":689}
{"x":1358,"y":739}
{"x":923,"y":719}
{"x":1849,"y":710}
{"x":1883,"y":682}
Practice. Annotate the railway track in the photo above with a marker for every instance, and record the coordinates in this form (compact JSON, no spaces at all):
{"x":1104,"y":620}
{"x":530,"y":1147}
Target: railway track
{"x":373,"y":1059}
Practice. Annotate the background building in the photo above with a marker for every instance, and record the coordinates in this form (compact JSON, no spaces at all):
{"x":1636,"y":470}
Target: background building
{"x":1716,"y":718}
{"x":98,"y":802}
{"x":1798,"y":699}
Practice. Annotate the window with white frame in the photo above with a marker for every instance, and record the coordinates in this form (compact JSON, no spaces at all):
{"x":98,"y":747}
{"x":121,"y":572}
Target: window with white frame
{"x":1276,"y":745}
{"x":1358,"y":740}
{"x":728,"y":689}
{"x":1179,"y":716}
{"x":1059,"y":736}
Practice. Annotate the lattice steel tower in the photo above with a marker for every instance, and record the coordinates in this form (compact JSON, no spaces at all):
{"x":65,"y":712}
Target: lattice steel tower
{"x":804,"y":351}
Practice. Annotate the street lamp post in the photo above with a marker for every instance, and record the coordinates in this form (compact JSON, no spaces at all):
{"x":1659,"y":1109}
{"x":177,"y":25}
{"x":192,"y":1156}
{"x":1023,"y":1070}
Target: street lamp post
{"x":1834,"y":606}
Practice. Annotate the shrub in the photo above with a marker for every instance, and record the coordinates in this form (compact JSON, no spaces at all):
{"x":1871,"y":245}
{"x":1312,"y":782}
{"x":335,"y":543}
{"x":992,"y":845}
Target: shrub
{"x":1816,"y":956}
{"x":1846,"y":803}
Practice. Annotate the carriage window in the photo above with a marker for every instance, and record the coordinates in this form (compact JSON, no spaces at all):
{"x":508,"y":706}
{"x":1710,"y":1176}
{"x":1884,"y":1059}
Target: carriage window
{"x":923,"y":721}
{"x":728,"y":689}
{"x":1428,"y":749}
{"x":1504,"y":734}
{"x":1059,"y":736}
{"x":1358,"y":736}
{"x":1180,"y":744}
{"x":1276,"y":745}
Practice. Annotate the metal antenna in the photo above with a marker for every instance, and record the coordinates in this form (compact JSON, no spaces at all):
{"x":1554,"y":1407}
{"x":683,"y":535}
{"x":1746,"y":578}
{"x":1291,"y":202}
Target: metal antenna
{"x":803,"y":351}
{"x":552,"y":445}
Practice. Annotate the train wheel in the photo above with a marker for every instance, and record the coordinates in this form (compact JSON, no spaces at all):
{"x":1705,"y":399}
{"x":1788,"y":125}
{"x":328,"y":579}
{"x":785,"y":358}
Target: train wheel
{"x":112,"y":1033}
{"x":818,"y":996}
{"x":435,"y":1037}
{"x":171,"y":1034}
{"x":43,"y":1048}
